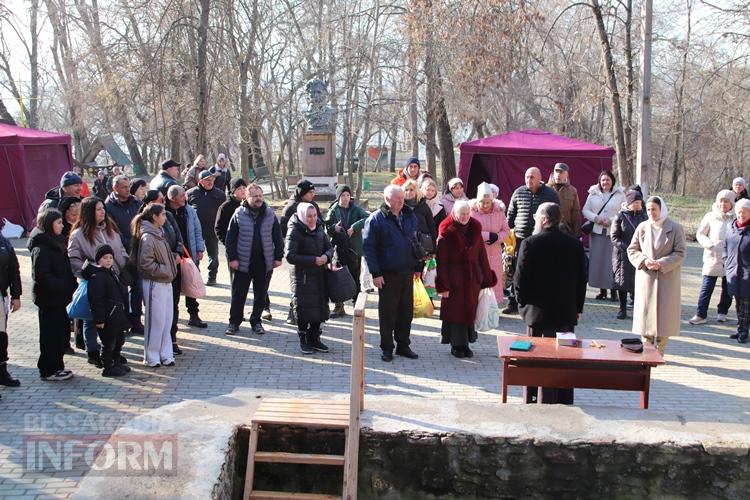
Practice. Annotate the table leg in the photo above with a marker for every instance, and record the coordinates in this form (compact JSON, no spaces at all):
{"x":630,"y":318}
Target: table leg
{"x":505,"y":380}
{"x":646,"y":387}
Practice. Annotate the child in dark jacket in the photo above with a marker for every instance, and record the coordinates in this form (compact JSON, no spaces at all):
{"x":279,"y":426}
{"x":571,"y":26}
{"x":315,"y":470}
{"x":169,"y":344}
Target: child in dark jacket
{"x":108,"y":299}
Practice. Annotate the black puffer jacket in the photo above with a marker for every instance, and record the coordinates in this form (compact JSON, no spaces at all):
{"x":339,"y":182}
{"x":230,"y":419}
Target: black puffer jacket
{"x":10,"y":275}
{"x":108,"y":298}
{"x":53,"y":278}
{"x":309,"y":296}
{"x":623,"y":229}
{"x":523,"y":205}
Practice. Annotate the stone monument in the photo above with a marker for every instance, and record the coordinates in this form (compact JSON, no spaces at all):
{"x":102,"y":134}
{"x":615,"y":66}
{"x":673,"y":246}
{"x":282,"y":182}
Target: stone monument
{"x":318,"y":144}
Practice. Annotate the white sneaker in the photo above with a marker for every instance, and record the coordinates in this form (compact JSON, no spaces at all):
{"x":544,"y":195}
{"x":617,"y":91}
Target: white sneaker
{"x":59,"y":375}
{"x":722,"y":318}
{"x":697,"y":320}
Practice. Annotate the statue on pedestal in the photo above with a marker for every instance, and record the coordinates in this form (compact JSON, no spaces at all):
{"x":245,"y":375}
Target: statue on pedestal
{"x":319,"y":114}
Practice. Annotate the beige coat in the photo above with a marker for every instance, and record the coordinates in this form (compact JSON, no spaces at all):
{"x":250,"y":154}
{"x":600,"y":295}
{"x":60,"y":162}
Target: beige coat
{"x":80,"y":249}
{"x":711,"y":234}
{"x":155,"y":260}
{"x":657,"y":293}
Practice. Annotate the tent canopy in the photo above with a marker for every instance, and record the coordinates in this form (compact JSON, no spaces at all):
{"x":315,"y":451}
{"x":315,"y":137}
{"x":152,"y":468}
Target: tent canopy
{"x":503,"y":160}
{"x":31,"y":162}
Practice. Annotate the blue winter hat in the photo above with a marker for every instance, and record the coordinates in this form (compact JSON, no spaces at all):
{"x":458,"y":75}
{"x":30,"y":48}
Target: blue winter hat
{"x":411,"y":160}
{"x":69,"y":179}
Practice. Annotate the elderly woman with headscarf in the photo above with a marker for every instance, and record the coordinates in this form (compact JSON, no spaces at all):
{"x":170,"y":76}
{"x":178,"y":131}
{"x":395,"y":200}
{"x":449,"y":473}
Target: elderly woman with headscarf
{"x":737,"y":265}
{"x":490,"y":212}
{"x":454,"y":193}
{"x":657,"y":251}
{"x":711,"y":234}
{"x":463,"y":271}
{"x":308,"y":250}
{"x":739,"y":187}
{"x":623,"y":228}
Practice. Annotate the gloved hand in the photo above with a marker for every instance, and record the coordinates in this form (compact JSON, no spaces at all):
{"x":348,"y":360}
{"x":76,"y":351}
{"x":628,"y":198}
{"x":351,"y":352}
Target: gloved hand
{"x":493,"y":238}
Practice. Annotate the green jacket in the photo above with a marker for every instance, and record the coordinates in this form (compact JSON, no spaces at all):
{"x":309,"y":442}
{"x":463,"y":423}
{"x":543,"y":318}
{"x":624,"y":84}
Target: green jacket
{"x":357,"y":218}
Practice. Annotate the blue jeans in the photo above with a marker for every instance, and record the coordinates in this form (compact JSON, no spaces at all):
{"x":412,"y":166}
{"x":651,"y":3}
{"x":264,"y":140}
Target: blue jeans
{"x":707,"y":289}
{"x":90,"y":336}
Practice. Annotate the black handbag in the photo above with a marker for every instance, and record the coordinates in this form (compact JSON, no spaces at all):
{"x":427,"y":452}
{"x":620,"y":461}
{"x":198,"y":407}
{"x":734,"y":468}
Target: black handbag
{"x":632,"y":345}
{"x":425,"y":240}
{"x":340,"y":284}
{"x":588,"y":226}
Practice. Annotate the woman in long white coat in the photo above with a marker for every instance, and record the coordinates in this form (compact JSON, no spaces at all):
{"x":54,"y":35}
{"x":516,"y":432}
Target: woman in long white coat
{"x":657,"y":251}
{"x":601,"y":207}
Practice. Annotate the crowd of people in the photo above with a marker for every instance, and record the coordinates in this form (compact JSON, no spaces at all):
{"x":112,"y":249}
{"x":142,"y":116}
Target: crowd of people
{"x":130,"y":241}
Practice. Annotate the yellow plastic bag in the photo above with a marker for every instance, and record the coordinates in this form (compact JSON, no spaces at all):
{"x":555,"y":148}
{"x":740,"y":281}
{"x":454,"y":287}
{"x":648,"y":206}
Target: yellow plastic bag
{"x":422,"y":303}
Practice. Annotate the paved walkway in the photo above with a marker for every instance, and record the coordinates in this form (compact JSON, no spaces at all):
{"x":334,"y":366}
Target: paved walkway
{"x":706,"y":372}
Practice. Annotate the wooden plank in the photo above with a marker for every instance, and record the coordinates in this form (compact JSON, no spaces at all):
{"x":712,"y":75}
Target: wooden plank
{"x":251,"y":449}
{"x":344,"y":413}
{"x":274,"y":495}
{"x":338,"y":424}
{"x":301,"y":416}
{"x":298,"y":458}
{"x":316,"y":408}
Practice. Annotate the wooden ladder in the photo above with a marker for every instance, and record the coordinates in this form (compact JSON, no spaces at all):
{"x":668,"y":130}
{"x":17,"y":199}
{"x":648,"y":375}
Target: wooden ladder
{"x":318,"y":414}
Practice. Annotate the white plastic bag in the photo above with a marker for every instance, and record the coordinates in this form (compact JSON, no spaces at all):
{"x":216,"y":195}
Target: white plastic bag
{"x":488,"y":314}
{"x":11,"y":230}
{"x":365,"y":279}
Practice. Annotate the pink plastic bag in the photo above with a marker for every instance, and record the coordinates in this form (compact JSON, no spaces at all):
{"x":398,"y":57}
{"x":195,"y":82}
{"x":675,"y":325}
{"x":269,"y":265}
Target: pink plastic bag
{"x":192,"y":283}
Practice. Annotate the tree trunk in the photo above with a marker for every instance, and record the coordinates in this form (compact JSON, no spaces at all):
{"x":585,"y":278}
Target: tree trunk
{"x":445,"y":136}
{"x":33,"y":107}
{"x":201,"y":70}
{"x":630,"y":86}
{"x":5,"y":117}
{"x":615,"y":108}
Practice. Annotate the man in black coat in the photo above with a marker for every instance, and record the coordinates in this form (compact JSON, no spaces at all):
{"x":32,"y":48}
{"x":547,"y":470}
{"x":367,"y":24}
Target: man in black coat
{"x":550,"y":283}
{"x":71,"y":185}
{"x":206,"y":199}
{"x":521,"y":209}
{"x":170,"y":171}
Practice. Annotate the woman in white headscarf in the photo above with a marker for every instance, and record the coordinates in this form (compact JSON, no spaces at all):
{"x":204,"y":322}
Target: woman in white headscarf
{"x":308,"y":250}
{"x":712,"y":234}
{"x":657,"y":251}
{"x":490,"y":212}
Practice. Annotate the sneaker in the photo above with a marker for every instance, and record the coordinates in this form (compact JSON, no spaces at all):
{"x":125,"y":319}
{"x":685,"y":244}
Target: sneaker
{"x":290,"y":319}
{"x":721,"y":318}
{"x":211,"y":282}
{"x":317,"y":345}
{"x":697,"y":320}
{"x":303,"y":345}
{"x":195,"y":320}
{"x":338,"y":311}
{"x":407,"y":352}
{"x":153,"y":365}
{"x":59,"y":375}
{"x":601,"y":296}
{"x":742,"y":339}
{"x":387,"y":356}
{"x":258,"y":329}
{"x":168,"y":362}
{"x":231,"y":329}
{"x":176,"y":349}
{"x":267,"y":315}
{"x":114,"y":371}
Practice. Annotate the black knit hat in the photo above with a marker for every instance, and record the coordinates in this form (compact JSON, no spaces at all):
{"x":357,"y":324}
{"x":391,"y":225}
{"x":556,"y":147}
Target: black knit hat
{"x":341,"y":189}
{"x":137,"y":183}
{"x":103,"y":250}
{"x":151,"y":195}
{"x":235,"y":183}
{"x":66,"y":202}
{"x":633,"y":195}
{"x":304,"y":186}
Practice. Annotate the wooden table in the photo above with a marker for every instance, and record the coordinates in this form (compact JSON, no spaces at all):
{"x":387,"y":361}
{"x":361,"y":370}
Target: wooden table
{"x":548,"y":365}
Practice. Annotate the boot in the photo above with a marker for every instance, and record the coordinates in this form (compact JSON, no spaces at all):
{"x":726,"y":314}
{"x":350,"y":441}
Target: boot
{"x":195,"y":320}
{"x":313,"y":340}
{"x":291,"y":319}
{"x":115,"y":371}
{"x":338,"y":310}
{"x":622,"y":314}
{"x":602,"y":294}
{"x":303,"y":345}
{"x":79,"y":340}
{"x":95,"y":359}
{"x":5,"y":378}
{"x":512,"y":307}
{"x":613,"y":295}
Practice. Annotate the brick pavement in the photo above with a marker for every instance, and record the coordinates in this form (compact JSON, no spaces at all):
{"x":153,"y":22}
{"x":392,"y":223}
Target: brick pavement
{"x":705,"y":372}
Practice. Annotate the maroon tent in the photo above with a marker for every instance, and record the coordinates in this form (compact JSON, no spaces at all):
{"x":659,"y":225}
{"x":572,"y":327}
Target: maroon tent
{"x":503,"y":160}
{"x":31,"y":162}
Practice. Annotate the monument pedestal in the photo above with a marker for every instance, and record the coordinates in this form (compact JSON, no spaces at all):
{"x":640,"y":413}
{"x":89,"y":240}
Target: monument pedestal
{"x":319,"y":163}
